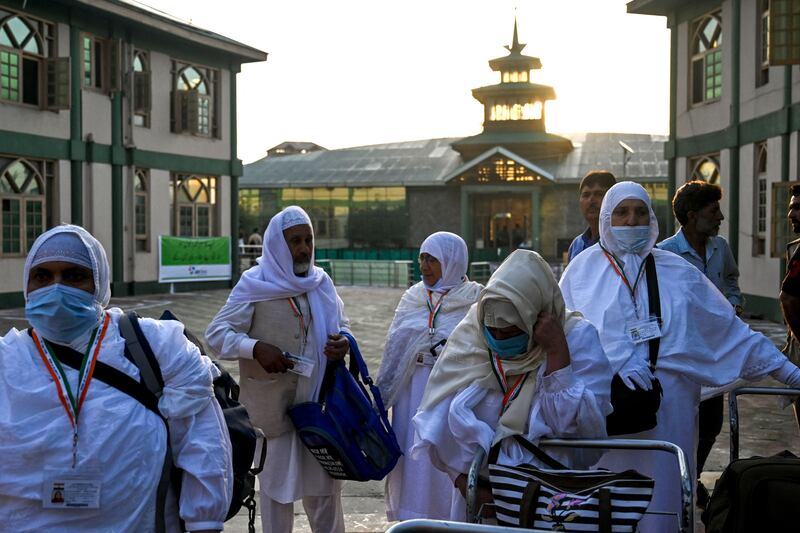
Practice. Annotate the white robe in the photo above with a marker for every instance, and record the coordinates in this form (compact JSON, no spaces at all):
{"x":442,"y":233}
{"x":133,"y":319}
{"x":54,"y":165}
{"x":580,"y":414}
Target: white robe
{"x":290,"y":471}
{"x":117,"y":434}
{"x":703,"y":343}
{"x":415,"y":489}
{"x":570,"y":402}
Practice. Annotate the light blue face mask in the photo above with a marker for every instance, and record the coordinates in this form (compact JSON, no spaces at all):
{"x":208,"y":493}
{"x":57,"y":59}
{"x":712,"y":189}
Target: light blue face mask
{"x":60,"y":313}
{"x":507,"y":348}
{"x":631,"y":239}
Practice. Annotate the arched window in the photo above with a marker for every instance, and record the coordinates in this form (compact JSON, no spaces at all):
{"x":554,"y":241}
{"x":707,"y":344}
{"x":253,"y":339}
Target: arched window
{"x":705,"y":168}
{"x":707,"y":58}
{"x":194,"y":199}
{"x":194,"y":102}
{"x":24,"y":45}
{"x":141,"y":207}
{"x":22,"y":196}
{"x":141,"y":89}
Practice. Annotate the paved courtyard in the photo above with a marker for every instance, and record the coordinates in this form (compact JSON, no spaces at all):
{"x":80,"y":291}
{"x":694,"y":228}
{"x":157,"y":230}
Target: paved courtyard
{"x":764,"y":428}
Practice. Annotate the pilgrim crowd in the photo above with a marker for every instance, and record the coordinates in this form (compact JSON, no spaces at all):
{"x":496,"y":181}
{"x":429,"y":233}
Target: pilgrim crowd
{"x":465,"y":367}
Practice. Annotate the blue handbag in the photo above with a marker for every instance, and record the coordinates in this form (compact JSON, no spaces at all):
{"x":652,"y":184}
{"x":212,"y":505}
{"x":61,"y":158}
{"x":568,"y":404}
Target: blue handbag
{"x":345,"y":431}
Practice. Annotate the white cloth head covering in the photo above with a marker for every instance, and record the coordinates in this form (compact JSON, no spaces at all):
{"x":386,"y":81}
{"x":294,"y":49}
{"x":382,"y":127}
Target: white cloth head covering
{"x":527,"y":281}
{"x":624,"y":190}
{"x":60,"y":244}
{"x":451,"y":252}
{"x":273,"y":278}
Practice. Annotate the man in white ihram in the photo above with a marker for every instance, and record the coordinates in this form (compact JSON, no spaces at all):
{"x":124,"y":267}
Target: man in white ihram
{"x":284,"y":313}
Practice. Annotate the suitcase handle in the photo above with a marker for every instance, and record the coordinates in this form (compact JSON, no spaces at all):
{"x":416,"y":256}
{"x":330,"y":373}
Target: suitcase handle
{"x":734,"y":409}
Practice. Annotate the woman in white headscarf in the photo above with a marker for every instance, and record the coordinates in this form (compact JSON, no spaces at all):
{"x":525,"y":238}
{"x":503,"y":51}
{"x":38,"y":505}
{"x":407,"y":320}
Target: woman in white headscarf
{"x":426,"y":315}
{"x":57,"y":421}
{"x":519,"y":363}
{"x":702,"y":341}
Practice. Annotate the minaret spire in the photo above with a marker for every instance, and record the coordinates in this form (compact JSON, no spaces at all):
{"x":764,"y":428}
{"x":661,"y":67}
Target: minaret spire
{"x":516,"y":47}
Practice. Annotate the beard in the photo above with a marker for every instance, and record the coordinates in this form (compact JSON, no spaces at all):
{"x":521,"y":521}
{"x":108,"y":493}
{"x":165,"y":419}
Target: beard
{"x":300,"y":268}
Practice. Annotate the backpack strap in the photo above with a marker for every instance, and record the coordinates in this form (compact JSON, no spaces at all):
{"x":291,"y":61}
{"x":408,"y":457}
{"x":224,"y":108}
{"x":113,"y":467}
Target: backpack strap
{"x":537,"y":452}
{"x":655,"y":305}
{"x":139,"y":352}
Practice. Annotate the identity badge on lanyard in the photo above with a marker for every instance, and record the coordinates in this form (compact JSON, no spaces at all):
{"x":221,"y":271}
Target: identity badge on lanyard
{"x":644,"y":330}
{"x":510,"y":390}
{"x":72,"y":402}
{"x":77,"y":488}
{"x":433,"y":312}
{"x":298,"y":313}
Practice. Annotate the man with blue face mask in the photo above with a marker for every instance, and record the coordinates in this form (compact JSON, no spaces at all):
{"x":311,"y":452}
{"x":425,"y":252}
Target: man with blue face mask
{"x":701,"y":342}
{"x":81,"y":455}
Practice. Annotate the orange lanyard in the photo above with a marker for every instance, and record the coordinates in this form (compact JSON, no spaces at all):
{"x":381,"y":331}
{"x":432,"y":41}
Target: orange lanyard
{"x":302,"y":321}
{"x":618,"y":269}
{"x":72,"y":403}
{"x":509,"y":393}
{"x":433,"y":311}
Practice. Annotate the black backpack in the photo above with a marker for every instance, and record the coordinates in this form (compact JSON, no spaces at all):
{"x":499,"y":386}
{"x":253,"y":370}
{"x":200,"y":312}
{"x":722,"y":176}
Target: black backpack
{"x":243,"y":435}
{"x":756,"y":494}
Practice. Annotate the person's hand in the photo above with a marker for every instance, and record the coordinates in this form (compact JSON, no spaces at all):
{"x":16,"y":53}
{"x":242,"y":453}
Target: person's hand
{"x":549,"y":334}
{"x":336,"y":347}
{"x":271,"y":358}
{"x":636,"y":373}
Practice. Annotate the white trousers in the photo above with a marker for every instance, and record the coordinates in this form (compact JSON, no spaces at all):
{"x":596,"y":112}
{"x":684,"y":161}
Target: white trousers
{"x":324,"y":513}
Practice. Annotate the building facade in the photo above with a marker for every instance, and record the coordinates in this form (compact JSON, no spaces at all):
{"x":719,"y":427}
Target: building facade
{"x":734,"y":121}
{"x":119,"y":119}
{"x":512,"y":185}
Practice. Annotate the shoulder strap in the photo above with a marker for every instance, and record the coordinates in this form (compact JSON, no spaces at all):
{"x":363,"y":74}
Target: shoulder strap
{"x":537,"y":452}
{"x":110,"y":376}
{"x":138,"y":351}
{"x":655,"y":305}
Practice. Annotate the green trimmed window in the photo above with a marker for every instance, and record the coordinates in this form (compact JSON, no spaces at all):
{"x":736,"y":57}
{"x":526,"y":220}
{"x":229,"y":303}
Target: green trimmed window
{"x":194,"y":201}
{"x":705,"y":168}
{"x":195,"y":100}
{"x":29,"y":71}
{"x":22,"y":204}
{"x":706,"y":58}
{"x":141,"y":209}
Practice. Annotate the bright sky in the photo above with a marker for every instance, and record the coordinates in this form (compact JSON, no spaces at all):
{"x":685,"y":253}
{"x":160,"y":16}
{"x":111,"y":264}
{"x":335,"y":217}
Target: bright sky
{"x":358,"y":72}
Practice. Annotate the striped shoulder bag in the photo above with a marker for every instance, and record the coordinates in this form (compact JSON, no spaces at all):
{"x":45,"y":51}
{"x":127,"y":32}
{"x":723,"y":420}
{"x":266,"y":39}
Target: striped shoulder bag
{"x":560,"y":499}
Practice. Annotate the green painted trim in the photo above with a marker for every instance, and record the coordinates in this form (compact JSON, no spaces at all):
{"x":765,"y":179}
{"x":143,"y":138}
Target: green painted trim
{"x":10,"y":300}
{"x":769,"y":308}
{"x":670,"y":148}
{"x":25,"y":144}
{"x":75,"y":126}
{"x":733,"y":174}
{"x":180,"y":163}
{"x":766,"y":126}
{"x":234,"y":178}
{"x":117,"y":199}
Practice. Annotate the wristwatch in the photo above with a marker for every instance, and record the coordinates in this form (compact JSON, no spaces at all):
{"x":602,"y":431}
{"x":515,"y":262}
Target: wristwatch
{"x":739,"y":310}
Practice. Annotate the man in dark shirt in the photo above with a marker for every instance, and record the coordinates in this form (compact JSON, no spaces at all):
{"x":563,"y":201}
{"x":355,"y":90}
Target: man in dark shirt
{"x":790,"y":289}
{"x":592,"y":189}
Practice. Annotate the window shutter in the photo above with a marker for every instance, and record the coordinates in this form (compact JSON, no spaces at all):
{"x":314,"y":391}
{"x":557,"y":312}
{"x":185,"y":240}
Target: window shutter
{"x":784,"y":32}
{"x":192,"y":124}
{"x":141,"y":92}
{"x":57,"y":83}
{"x":114,"y":65}
{"x":178,"y":111}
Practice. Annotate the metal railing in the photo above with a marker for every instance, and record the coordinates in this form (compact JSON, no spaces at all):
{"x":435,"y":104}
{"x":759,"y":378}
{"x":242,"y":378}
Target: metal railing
{"x":419,"y":525}
{"x":686,"y":519}
{"x":369,"y":273}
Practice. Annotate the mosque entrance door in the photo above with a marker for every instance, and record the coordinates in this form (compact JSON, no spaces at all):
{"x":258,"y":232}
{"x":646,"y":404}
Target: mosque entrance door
{"x":501,"y":222}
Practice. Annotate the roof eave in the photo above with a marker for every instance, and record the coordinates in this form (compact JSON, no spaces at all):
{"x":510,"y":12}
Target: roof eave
{"x":654,"y":7}
{"x":247,"y":54}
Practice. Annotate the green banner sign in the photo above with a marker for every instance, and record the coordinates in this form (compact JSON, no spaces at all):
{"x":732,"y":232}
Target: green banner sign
{"x":194,"y":259}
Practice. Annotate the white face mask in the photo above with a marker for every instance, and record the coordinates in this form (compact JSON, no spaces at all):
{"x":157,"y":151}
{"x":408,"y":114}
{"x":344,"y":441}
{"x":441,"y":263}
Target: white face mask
{"x":631,"y":239}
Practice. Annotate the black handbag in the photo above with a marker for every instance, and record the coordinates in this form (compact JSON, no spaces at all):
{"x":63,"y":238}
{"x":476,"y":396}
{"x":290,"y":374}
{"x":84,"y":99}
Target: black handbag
{"x":635,"y":410}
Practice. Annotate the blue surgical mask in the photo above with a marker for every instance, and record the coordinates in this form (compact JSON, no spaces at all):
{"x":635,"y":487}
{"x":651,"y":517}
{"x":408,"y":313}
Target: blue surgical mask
{"x":507,"y":348}
{"x":60,"y":313}
{"x":631,"y":239}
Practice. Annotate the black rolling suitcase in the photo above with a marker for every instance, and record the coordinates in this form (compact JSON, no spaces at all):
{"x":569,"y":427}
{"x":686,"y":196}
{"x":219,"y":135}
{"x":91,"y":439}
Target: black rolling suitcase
{"x":755,"y":494}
